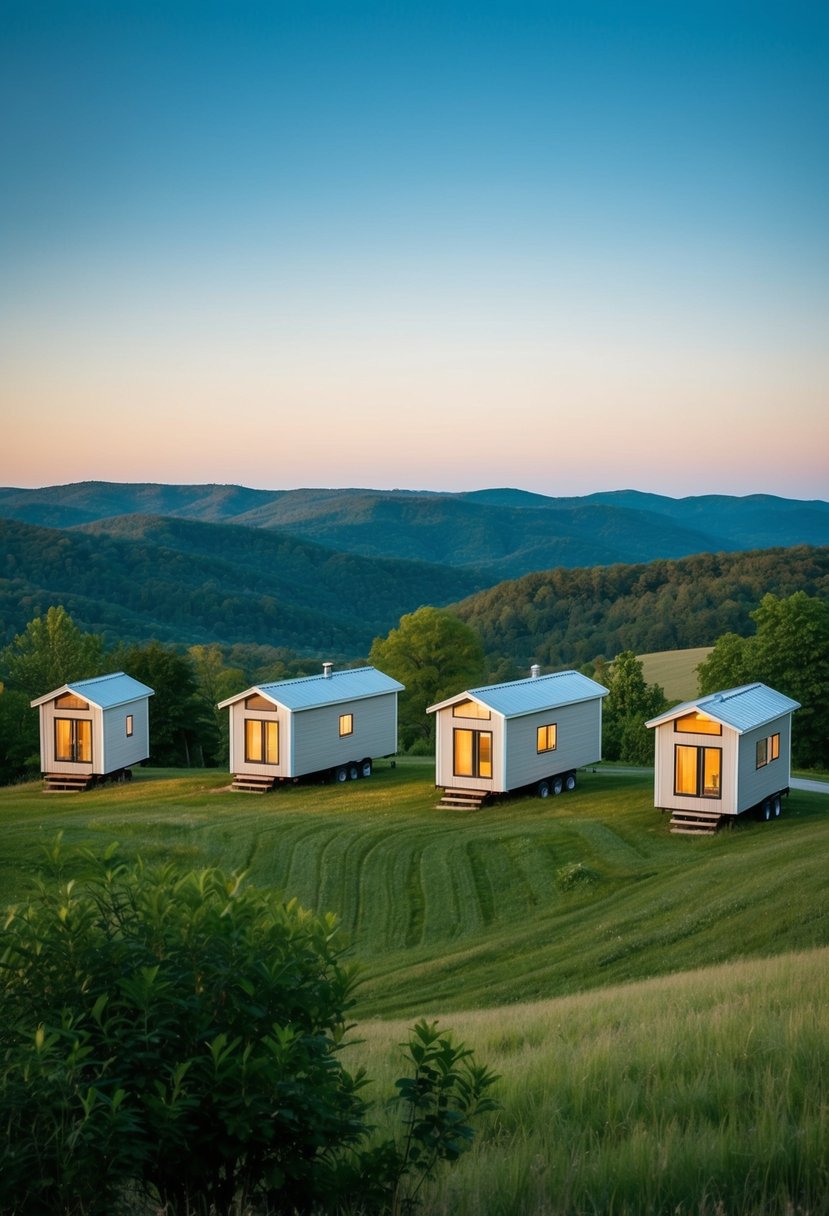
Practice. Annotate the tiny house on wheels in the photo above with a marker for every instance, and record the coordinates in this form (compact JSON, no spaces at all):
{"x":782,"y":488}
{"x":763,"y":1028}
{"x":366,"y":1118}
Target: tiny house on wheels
{"x":526,"y":733}
{"x":92,"y":729}
{"x":330,"y":725}
{"x":721,"y":755}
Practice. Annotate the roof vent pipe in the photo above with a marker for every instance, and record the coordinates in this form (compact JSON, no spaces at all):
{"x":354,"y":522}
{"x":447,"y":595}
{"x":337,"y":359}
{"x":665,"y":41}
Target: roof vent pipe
{"x":327,"y":668}
{"x":535,"y":671}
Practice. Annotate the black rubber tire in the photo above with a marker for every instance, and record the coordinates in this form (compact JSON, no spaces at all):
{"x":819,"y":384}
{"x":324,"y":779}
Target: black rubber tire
{"x":341,"y":774}
{"x":570,"y":782}
{"x":558,"y":785}
{"x":365,"y":767}
{"x":543,"y":789}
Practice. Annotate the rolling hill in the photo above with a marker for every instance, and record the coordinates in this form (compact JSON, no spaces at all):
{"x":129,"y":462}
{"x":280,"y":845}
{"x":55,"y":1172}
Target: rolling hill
{"x":504,"y":532}
{"x":177,"y":580}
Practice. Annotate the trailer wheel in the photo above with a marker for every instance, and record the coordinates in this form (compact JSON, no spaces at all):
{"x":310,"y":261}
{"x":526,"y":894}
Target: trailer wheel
{"x":543,"y":789}
{"x":558,"y":785}
{"x":341,"y":774}
{"x":766,"y":812}
{"x":365,"y":767}
{"x":777,"y":806}
{"x":570,"y":782}
{"x":353,"y":772}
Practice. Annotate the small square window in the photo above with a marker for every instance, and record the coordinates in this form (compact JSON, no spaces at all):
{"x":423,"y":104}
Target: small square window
{"x":346,"y":724}
{"x":546,"y":738}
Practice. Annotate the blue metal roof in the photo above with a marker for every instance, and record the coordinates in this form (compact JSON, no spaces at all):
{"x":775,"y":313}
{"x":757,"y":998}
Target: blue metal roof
{"x":310,"y":692}
{"x":743,"y":708}
{"x":532,"y":694}
{"x":103,"y":691}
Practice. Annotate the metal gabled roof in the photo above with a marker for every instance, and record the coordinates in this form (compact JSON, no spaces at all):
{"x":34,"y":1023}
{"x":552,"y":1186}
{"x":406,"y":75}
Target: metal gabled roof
{"x":743,"y":708}
{"x":311,"y":692}
{"x":530,"y":695}
{"x":103,"y":691}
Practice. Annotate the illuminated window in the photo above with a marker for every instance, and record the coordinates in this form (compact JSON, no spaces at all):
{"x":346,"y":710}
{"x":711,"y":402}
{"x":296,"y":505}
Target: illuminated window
{"x":256,"y":701}
{"x":261,"y":741}
{"x":470,"y":709}
{"x":73,"y":740}
{"x":68,"y":700}
{"x":697,"y":724}
{"x":346,"y":724}
{"x":767,"y":750}
{"x":472,"y":752}
{"x":697,"y":771}
{"x":129,"y":726}
{"x":546,"y":740}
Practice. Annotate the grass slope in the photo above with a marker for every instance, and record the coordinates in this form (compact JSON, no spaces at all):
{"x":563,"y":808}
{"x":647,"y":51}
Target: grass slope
{"x":675,"y":671}
{"x":657,"y":1007}
{"x":701,"y":1094}
{"x":523,"y":901}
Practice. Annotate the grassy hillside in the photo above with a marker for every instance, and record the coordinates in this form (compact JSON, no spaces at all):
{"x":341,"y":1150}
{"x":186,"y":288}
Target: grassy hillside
{"x":523,"y":901}
{"x":698,"y":1094}
{"x":657,"y":1006}
{"x":675,"y":671}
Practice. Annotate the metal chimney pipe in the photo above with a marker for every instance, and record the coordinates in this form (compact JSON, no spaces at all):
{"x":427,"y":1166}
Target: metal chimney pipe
{"x":535,"y":671}
{"x":327,"y":668}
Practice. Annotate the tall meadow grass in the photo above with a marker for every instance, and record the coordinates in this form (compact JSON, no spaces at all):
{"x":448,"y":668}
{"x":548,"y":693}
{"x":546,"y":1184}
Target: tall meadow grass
{"x":705,"y":1093}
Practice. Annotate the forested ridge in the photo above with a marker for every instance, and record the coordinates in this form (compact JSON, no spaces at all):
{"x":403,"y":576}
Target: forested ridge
{"x":183,"y":581}
{"x":568,"y":617}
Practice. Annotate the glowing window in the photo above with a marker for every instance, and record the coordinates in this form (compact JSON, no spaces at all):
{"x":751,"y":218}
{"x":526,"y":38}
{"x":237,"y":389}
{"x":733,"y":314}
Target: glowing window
{"x":697,"y":724}
{"x":472,"y":753}
{"x":68,"y":700}
{"x":256,"y":701}
{"x":546,"y":738}
{"x":346,"y":724}
{"x":73,"y":740}
{"x":261,"y":741}
{"x":697,"y":771}
{"x":130,"y":725}
{"x":470,"y":709}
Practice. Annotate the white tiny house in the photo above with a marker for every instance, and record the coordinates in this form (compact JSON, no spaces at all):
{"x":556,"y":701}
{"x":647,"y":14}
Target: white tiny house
{"x":91,"y":729}
{"x":332,"y":725}
{"x":723,"y":754}
{"x":503,"y":737}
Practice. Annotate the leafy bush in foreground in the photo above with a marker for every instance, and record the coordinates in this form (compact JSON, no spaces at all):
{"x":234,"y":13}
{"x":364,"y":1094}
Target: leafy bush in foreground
{"x":174,"y":1039}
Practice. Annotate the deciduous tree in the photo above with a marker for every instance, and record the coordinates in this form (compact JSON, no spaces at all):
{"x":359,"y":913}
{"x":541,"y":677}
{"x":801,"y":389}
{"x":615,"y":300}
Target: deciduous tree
{"x":627,"y":707}
{"x":50,"y":652}
{"x":435,"y":655}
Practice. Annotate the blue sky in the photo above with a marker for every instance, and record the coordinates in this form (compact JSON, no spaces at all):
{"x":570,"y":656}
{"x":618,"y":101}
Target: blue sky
{"x":569,"y":247}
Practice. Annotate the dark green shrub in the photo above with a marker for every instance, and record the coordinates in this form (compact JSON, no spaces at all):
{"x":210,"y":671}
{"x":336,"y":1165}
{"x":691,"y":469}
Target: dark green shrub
{"x":177,"y":1037}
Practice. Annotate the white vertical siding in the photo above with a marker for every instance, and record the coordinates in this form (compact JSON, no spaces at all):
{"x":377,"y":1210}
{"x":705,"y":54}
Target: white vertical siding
{"x":578,"y":742}
{"x":755,"y":783}
{"x":310,"y":741}
{"x":118,"y":749}
{"x":663,"y":793}
{"x":317,"y":741}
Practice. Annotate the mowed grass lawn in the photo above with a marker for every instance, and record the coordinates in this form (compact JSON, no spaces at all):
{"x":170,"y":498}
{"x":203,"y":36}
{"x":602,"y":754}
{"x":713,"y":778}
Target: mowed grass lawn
{"x":524,"y":900}
{"x":657,"y":1006}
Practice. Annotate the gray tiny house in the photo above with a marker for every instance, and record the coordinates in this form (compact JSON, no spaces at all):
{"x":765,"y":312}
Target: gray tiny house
{"x":331,"y":725}
{"x":722,"y":755}
{"x":92,"y":729}
{"x":534,"y":732}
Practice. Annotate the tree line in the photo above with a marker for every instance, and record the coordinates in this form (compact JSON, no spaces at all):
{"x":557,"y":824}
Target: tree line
{"x":433,"y":653}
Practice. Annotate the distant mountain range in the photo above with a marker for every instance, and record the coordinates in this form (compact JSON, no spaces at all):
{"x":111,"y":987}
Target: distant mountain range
{"x":502,"y":532}
{"x":321,"y":570}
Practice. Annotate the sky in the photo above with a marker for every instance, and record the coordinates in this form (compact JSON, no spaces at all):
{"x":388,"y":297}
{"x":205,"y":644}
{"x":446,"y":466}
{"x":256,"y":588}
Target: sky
{"x":567,"y":247}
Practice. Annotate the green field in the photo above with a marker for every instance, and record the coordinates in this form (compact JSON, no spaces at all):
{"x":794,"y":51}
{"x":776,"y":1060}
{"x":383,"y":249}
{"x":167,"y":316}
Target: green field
{"x":657,"y":1005}
{"x":674,"y":670}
